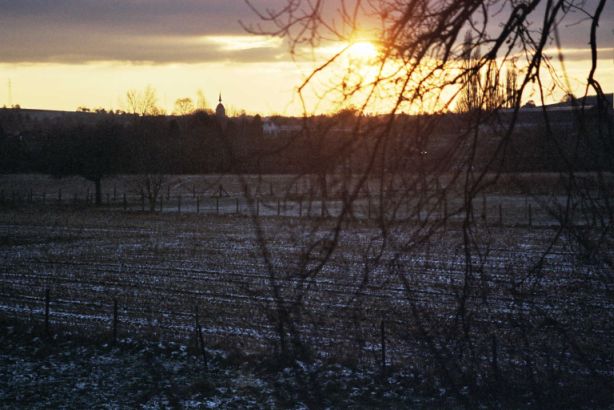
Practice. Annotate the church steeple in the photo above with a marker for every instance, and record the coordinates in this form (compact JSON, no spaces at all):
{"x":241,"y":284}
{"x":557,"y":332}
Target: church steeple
{"x":220,"y":111}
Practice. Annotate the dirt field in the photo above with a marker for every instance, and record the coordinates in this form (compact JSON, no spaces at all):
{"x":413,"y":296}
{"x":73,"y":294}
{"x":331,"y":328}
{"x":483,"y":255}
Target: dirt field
{"x":161,"y":267}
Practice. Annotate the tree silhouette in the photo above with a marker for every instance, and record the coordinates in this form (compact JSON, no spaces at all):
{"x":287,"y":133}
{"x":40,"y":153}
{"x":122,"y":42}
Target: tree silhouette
{"x":501,"y":324}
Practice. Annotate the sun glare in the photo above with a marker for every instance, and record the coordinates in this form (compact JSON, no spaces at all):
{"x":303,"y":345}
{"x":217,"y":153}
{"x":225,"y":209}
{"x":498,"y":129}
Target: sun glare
{"x":362,"y":50}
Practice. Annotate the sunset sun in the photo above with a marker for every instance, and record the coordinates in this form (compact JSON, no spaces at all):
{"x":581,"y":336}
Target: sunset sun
{"x":362,"y":50}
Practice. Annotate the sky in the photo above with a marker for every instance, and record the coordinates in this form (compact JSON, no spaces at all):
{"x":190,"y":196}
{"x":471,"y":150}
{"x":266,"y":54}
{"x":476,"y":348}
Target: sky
{"x":63,"y":54}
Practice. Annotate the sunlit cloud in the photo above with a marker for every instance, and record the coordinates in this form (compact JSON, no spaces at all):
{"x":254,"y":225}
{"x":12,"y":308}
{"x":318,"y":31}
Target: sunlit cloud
{"x":241,"y":43}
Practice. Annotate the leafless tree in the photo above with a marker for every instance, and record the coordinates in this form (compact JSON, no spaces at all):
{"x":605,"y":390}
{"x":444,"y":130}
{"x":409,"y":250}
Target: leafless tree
{"x":183,"y":106}
{"x":150,"y":185}
{"x":143,"y":102}
{"x":515,"y":321}
{"x":152,"y":178}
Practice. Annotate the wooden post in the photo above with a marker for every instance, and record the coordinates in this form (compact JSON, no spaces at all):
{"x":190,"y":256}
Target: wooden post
{"x":383,"y":343}
{"x":115,"y":320}
{"x":47,"y":301}
{"x":495,"y":361}
{"x":199,"y":334}
{"x":179,"y":203}
{"x":530,"y":217}
{"x":445,"y":207}
{"x":198,"y":204}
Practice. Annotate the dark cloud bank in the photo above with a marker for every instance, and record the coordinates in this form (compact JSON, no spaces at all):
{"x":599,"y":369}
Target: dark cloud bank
{"x":160,"y":31}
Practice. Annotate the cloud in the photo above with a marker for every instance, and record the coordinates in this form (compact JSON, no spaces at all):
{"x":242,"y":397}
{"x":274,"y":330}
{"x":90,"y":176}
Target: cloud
{"x":581,"y":54}
{"x":154,"y":31}
{"x":70,"y":47}
{"x":168,"y":31}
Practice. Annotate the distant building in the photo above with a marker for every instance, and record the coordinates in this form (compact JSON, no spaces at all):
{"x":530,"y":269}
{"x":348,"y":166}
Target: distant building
{"x":220,"y":113}
{"x":290,"y":127}
{"x":270,"y":129}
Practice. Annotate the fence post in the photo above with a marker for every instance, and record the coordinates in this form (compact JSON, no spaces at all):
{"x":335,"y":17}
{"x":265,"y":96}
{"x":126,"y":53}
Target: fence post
{"x":530,"y":217}
{"x":47,"y":311}
{"x":114,"y":320}
{"x":445,"y":210}
{"x":383,"y":343}
{"x":199,"y":334}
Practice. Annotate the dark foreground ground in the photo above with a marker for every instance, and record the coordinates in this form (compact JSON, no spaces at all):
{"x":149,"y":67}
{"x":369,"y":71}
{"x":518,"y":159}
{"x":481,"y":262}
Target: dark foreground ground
{"x":68,"y":370}
{"x":72,"y":371}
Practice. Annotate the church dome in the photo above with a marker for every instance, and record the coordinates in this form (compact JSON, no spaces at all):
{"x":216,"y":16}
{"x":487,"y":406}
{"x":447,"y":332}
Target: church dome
{"x":220,"y":111}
